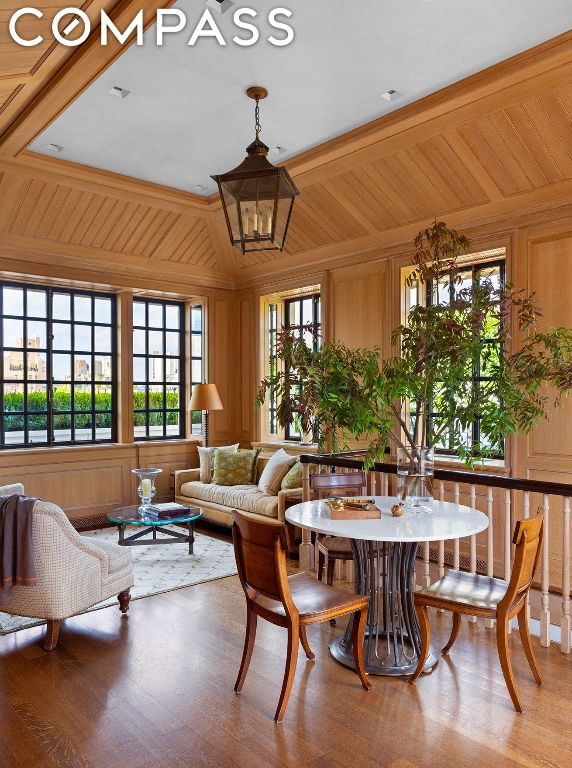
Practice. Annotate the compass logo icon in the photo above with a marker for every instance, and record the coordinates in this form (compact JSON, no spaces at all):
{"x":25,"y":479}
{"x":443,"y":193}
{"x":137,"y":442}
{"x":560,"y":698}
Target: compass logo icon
{"x":220,"y":6}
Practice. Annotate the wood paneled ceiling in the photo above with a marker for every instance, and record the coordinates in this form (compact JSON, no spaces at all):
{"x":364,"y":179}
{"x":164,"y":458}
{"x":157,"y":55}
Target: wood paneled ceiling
{"x":492,"y":147}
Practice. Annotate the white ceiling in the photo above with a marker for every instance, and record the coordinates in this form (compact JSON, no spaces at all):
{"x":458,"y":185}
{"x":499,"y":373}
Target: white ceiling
{"x":187,"y":116}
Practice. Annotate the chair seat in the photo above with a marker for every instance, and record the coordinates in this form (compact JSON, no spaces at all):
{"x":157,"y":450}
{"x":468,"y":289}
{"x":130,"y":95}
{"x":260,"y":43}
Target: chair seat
{"x":464,"y":589}
{"x":336,"y":547}
{"x":119,"y":557}
{"x":313,"y":599}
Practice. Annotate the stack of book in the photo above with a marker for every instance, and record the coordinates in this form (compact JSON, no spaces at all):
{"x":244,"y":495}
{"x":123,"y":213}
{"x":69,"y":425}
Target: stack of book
{"x":171,"y":509}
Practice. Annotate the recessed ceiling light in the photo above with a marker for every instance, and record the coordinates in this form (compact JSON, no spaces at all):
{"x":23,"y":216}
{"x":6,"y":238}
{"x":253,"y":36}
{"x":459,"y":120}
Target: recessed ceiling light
{"x":200,"y":188}
{"x":390,"y":95}
{"x":279,"y":150}
{"x":54,"y":147}
{"x":220,"y":6}
{"x":119,"y":93}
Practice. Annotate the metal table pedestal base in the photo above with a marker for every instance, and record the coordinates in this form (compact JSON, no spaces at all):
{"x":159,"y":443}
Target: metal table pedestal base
{"x":385,"y":572}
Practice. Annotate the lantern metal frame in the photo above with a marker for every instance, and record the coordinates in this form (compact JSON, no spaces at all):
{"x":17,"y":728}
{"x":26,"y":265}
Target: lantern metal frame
{"x":254,"y":168}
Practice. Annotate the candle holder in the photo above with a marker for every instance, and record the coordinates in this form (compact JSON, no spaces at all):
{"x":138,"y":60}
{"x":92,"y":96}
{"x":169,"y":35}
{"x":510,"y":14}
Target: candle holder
{"x":146,"y":489}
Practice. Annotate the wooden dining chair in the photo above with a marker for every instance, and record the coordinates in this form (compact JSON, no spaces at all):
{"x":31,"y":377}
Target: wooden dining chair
{"x":474,"y":595}
{"x":291,"y":602}
{"x":332,"y":548}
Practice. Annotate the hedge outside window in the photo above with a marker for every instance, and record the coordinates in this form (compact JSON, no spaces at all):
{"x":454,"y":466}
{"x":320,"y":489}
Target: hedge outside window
{"x":58,"y":366}
{"x":158,"y":369}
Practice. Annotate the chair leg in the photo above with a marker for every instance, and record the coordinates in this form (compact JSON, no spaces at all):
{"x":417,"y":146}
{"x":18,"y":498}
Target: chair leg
{"x":357,"y":639}
{"x":425,"y":629}
{"x":305,"y":643}
{"x":527,"y":645}
{"x":321,"y":563}
{"x":454,"y":633}
{"x":248,"y":648}
{"x":504,"y":656}
{"x":331,"y":566}
{"x":290,"y":671}
{"x":52,"y":634}
{"x":124,"y":598}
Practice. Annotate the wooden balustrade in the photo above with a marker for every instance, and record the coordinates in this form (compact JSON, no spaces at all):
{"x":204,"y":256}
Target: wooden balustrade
{"x":504,"y":500}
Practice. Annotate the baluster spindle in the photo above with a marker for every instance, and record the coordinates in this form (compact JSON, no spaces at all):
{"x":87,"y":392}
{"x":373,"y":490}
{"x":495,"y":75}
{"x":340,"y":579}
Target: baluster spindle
{"x":526,"y":515}
{"x":545,"y":584}
{"x":507,"y":542}
{"x":372,"y":483}
{"x":426,"y":574}
{"x":456,"y":545}
{"x":565,"y":625}
{"x":385,"y":484}
{"x":306,"y":548}
{"x":489,"y":623}
{"x":473,"y":564}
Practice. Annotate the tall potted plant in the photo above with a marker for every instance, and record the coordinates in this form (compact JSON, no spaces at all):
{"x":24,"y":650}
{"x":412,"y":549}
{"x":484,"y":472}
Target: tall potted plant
{"x":428,"y":389}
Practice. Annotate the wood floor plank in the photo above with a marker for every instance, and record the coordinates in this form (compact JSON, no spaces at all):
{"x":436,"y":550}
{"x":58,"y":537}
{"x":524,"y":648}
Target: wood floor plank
{"x":155,"y":690}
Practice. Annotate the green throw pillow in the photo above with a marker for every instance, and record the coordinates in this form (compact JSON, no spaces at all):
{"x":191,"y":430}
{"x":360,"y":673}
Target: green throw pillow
{"x":234,"y":468}
{"x":293,"y":478}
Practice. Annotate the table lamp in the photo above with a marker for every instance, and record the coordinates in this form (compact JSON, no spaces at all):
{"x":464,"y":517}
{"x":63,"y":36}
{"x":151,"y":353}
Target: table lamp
{"x":205,"y":398}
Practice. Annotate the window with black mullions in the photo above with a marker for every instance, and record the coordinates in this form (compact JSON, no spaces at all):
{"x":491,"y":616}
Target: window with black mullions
{"x":303,"y":317}
{"x":197,"y":361}
{"x":58,"y":366}
{"x":158,"y":369}
{"x":442,"y":292}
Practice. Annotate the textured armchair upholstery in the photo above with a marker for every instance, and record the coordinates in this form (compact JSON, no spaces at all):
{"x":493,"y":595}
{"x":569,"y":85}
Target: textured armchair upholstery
{"x":73,"y":572}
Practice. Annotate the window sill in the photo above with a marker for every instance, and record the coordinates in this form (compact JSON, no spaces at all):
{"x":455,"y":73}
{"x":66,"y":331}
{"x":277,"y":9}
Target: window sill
{"x":95,"y":447}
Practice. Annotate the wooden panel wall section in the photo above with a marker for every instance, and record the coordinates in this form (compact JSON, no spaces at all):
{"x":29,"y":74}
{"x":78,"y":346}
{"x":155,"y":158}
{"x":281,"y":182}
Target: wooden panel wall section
{"x":545,"y":267}
{"x":93,"y":480}
{"x":224,"y":341}
{"x":247,"y":312}
{"x":358,"y":304}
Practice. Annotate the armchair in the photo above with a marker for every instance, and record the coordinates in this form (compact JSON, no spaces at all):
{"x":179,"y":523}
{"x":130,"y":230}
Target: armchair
{"x":74,"y":572}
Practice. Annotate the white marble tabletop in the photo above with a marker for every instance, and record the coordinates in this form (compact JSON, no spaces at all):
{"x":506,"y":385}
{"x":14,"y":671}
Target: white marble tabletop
{"x":442,"y":522}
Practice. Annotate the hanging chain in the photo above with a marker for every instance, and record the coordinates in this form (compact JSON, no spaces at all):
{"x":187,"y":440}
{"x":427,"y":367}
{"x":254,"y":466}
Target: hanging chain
{"x":257,"y":125}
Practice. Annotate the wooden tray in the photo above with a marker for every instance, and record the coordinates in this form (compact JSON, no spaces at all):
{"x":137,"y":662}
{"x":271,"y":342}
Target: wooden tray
{"x":369,"y":512}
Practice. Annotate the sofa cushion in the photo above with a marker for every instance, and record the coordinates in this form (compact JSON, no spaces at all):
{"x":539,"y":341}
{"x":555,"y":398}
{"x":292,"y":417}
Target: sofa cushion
{"x":206,"y":456}
{"x":234,"y":468}
{"x":274,"y":472}
{"x":293,"y":478}
{"x":242,"y":497}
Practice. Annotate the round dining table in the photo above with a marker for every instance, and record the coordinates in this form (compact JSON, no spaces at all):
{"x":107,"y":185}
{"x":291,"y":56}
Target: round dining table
{"x":384,"y":550}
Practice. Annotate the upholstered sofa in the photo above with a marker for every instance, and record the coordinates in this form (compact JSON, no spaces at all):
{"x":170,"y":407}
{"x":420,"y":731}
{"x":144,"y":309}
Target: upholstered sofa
{"x":218,"y":501}
{"x":73,"y":572}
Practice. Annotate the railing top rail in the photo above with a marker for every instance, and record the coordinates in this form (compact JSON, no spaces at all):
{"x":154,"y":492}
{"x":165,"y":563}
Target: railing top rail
{"x":344,"y":461}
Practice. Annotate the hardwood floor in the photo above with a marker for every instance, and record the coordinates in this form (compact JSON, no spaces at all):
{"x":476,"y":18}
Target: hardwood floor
{"x":155,"y":690}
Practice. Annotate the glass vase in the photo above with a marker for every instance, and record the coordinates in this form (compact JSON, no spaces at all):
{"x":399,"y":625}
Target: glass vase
{"x":415,"y":469}
{"x":146,"y":489}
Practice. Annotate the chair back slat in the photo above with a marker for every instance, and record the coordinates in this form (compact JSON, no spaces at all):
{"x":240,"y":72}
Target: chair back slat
{"x":260,"y":555}
{"x":338,"y":484}
{"x":528,"y":535}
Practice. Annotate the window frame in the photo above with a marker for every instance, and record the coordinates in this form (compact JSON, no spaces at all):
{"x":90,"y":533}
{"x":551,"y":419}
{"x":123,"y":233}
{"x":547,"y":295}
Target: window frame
{"x":181,"y":383}
{"x":474,"y":267}
{"x":49,"y":320}
{"x":317,"y":322}
{"x":192,"y":358}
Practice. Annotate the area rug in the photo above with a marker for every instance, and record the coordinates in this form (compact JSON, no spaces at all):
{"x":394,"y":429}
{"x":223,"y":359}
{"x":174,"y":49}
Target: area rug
{"x":156,"y":570}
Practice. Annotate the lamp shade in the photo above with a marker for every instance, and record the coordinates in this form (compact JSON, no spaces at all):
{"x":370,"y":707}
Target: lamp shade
{"x":205,"y":397}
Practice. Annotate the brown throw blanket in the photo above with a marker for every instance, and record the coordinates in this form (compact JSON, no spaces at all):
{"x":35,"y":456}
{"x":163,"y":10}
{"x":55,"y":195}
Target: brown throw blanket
{"x":16,"y":546}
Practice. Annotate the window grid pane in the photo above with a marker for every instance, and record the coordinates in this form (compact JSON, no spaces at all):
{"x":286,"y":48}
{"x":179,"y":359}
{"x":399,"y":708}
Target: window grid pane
{"x":158,"y":369}
{"x":197,"y":361}
{"x":443,"y":293}
{"x":300,"y":313}
{"x":41,"y":367}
